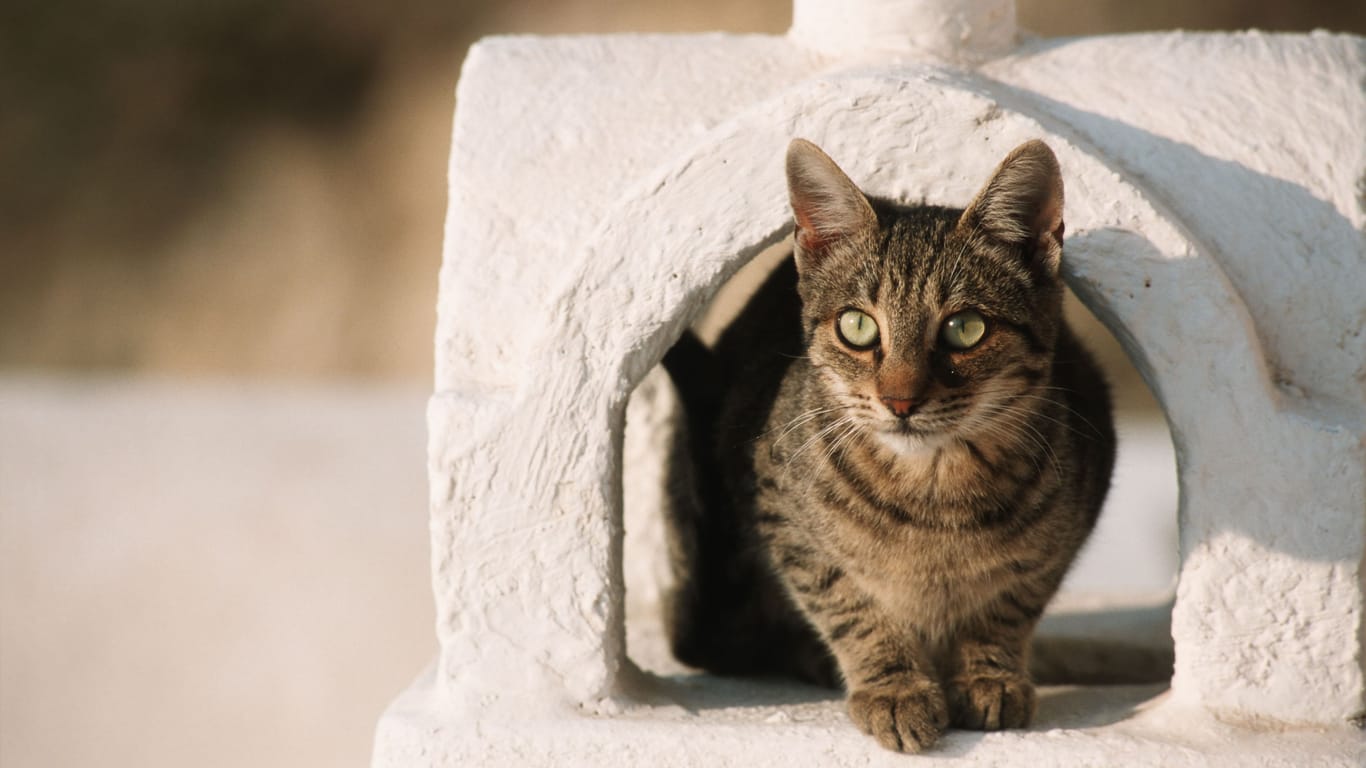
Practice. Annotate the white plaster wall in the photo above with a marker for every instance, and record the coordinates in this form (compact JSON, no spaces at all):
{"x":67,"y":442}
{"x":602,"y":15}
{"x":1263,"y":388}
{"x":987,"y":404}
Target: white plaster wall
{"x":1278,"y":141}
{"x":607,"y":327}
{"x":652,"y":170}
{"x":1278,"y":136}
{"x":532,"y":170}
{"x":952,"y":30}
{"x":562,"y":609}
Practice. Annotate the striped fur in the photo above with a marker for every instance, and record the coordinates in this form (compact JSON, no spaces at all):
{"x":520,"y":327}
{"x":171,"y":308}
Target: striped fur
{"x":821,"y":534}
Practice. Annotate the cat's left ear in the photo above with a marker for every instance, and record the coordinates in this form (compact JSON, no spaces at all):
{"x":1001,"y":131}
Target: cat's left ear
{"x":829,"y":208}
{"x":1021,"y":206}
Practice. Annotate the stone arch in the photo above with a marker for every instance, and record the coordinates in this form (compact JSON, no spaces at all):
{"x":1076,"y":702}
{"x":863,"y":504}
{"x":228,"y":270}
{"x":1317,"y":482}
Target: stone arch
{"x":1111,"y":218}
{"x":660,"y":255}
{"x":670,"y":219}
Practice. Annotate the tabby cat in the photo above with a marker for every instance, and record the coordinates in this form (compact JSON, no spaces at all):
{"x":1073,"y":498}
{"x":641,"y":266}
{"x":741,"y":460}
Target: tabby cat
{"x":896,"y":450}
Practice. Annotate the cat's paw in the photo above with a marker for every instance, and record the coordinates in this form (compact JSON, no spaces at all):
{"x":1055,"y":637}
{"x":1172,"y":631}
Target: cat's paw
{"x":905,"y":718}
{"x":992,"y":702}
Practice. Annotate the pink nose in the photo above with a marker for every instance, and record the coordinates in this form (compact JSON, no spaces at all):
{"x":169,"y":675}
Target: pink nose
{"x":900,"y":407}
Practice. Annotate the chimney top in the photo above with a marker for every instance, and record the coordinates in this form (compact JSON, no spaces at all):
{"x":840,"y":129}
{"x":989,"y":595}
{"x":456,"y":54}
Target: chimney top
{"x":960,"y":31}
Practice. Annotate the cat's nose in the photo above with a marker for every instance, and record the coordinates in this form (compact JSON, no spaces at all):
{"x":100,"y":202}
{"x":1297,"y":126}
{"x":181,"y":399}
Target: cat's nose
{"x":899,"y":406}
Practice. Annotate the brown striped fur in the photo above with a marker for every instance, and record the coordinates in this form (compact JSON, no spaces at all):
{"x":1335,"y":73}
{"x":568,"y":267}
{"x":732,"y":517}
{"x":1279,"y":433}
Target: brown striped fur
{"x":825,"y":532}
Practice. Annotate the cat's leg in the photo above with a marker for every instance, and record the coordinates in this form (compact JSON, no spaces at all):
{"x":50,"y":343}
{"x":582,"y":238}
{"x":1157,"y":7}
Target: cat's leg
{"x":890,"y":678}
{"x":987,"y":677}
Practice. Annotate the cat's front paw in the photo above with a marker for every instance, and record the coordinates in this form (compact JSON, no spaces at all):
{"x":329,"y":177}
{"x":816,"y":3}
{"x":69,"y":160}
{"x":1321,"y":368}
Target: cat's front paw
{"x":992,"y":702}
{"x":904,"y":718}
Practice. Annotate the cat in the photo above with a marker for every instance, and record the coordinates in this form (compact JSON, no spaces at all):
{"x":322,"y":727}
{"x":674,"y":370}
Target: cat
{"x":892,"y":455}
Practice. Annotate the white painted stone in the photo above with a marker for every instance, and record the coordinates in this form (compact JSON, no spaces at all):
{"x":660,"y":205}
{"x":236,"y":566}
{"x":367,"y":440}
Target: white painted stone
{"x":951,"y":30}
{"x":756,"y":725}
{"x":603,"y":188}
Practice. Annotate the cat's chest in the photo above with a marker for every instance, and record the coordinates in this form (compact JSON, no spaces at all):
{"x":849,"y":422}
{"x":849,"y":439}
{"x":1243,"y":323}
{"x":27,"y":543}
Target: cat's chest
{"x":902,"y":531}
{"x":906,"y":527}
{"x":934,"y":573}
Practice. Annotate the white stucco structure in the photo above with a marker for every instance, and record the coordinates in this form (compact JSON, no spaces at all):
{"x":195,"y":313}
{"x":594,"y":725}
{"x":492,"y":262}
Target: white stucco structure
{"x":602,"y":188}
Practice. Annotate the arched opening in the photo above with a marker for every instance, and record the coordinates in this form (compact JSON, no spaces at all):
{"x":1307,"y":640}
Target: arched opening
{"x":1111,"y":620}
{"x":1109,"y":624}
{"x":652,"y":415}
{"x":680,"y":232}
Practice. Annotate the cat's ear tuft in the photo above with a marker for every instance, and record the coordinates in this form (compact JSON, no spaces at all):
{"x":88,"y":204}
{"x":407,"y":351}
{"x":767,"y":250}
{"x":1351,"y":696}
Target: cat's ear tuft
{"x":829,"y":208}
{"x":1021,"y":206}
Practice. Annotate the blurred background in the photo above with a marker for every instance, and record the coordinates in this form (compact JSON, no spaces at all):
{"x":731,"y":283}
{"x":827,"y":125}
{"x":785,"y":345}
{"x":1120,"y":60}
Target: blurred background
{"x":255,"y":187}
{"x":220,"y":226}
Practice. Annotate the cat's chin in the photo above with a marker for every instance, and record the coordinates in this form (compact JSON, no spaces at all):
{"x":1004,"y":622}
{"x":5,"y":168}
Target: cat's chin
{"x":906,"y":442}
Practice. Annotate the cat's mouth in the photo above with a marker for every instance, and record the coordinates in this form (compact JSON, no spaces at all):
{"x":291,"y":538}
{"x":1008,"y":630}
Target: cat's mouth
{"x":902,"y":427}
{"x":906,"y":436}
{"x":902,"y":438}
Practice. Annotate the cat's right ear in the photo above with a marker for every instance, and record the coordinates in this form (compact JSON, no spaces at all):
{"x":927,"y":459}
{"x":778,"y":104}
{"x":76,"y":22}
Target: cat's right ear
{"x":829,"y":208}
{"x":1021,"y":206}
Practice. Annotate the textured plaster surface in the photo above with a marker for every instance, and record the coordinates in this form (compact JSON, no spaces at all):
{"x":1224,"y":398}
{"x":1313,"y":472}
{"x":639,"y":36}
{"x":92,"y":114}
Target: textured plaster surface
{"x":950,"y":30}
{"x":603,"y":188}
{"x":689,"y":722}
{"x":1264,"y":165}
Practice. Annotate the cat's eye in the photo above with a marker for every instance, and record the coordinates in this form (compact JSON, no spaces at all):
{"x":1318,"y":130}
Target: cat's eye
{"x":857,"y":329}
{"x":963,"y":330}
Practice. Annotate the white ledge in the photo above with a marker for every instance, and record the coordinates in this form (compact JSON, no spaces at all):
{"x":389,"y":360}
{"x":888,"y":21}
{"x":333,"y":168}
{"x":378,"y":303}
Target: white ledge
{"x":713,"y":722}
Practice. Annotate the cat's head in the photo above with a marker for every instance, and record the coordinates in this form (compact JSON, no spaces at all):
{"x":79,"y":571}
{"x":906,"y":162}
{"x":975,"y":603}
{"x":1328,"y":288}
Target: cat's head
{"x":929,"y":323}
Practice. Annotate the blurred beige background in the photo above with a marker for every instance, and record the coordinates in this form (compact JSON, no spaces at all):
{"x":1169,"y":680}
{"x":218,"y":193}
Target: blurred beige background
{"x":255,"y":187}
{"x":220,"y":227}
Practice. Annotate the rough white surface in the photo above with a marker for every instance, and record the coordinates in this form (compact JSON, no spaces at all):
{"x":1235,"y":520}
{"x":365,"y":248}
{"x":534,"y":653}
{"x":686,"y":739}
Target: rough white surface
{"x":952,"y":30}
{"x":1265,"y":164}
{"x":691,"y":722}
{"x":1214,"y":223}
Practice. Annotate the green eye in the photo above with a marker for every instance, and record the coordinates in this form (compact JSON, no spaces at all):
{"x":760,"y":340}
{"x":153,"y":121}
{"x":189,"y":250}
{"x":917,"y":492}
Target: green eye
{"x":963,"y":329}
{"x":857,"y":329}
